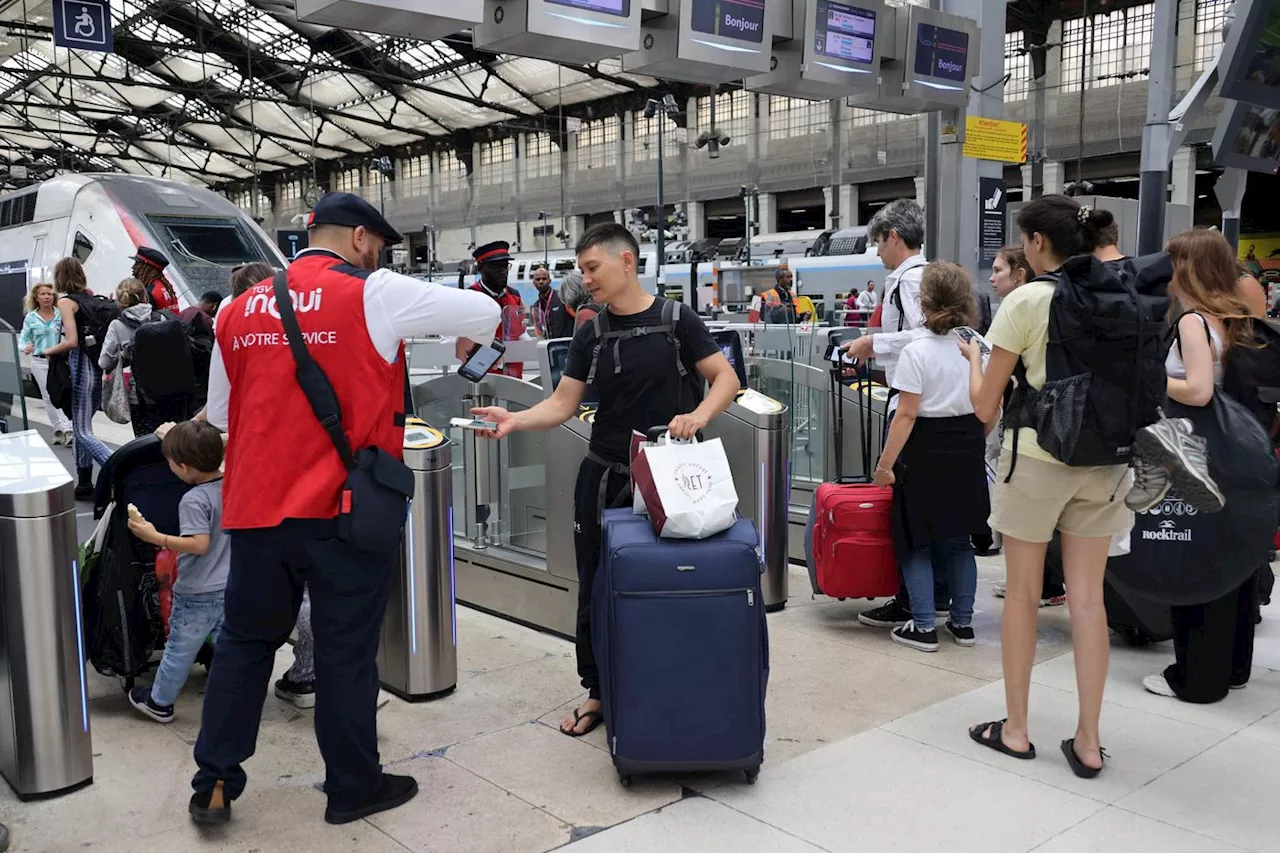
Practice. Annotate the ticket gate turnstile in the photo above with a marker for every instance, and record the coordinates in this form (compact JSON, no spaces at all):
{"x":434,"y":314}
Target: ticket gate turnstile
{"x":418,"y":654}
{"x":45,"y":744}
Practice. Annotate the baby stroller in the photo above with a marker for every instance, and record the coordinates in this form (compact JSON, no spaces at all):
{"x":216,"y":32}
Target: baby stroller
{"x":123,"y":620}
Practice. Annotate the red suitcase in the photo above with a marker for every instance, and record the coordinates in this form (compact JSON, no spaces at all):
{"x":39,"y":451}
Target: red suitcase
{"x":853,"y":528}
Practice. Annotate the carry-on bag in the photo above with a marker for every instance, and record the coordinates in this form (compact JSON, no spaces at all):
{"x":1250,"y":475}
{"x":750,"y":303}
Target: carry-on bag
{"x":687,"y":486}
{"x":852,"y":542}
{"x":681,"y":647}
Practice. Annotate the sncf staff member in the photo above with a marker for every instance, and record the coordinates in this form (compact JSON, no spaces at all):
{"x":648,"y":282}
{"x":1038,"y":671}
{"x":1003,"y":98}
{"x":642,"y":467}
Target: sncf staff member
{"x":281,"y":498}
{"x":650,"y":369}
{"x":148,"y":267}
{"x":493,"y":260}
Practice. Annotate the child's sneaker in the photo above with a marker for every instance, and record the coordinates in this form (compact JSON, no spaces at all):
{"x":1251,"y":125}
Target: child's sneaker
{"x":963,"y":636}
{"x":301,"y":694}
{"x":140,"y":698}
{"x":910,"y":635}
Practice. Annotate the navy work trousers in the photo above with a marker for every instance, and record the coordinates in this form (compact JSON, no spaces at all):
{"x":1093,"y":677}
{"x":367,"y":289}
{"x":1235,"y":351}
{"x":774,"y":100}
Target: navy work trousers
{"x":348,"y":590}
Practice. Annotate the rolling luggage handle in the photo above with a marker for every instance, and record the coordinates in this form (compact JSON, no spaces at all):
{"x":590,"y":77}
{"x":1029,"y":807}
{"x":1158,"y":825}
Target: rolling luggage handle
{"x":837,"y":421}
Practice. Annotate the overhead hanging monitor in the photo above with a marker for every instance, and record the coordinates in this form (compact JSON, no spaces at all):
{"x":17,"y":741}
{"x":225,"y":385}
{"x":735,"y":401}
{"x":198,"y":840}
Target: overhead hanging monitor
{"x":1248,"y":137}
{"x":416,"y":19}
{"x":705,"y":41}
{"x":836,"y":51}
{"x":569,"y":31}
{"x":928,"y":62}
{"x":1251,"y":69}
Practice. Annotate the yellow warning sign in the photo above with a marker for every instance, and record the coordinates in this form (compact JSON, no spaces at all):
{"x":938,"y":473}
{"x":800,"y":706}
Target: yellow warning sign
{"x":993,"y":139}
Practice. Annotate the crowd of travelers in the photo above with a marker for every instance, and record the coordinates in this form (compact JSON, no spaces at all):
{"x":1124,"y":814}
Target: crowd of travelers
{"x":993,"y":445}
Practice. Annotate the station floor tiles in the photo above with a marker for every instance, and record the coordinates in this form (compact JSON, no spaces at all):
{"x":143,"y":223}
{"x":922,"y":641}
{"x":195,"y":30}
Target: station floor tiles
{"x":866,"y":752}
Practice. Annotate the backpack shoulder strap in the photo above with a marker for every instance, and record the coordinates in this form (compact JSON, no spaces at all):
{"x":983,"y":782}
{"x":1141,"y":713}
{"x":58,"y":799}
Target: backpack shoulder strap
{"x":600,"y":323}
{"x":671,"y":317}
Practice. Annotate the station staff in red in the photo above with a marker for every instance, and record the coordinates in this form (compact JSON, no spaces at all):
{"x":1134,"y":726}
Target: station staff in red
{"x":281,"y":498}
{"x":148,"y":267}
{"x":493,"y":261}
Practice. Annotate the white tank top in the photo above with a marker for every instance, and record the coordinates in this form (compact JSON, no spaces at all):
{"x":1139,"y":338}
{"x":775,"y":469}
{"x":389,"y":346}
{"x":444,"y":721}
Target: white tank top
{"x":1175,"y":369}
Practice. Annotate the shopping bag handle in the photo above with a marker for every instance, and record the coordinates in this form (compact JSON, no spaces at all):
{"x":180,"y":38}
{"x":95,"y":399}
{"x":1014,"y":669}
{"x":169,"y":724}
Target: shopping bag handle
{"x":655,"y":434}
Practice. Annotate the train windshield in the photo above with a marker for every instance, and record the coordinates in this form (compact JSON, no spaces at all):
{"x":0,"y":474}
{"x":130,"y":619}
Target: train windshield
{"x":207,"y":249}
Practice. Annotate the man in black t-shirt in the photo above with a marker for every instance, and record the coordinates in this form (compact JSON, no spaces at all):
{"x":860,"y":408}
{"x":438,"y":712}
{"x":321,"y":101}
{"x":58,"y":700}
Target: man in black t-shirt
{"x":641,"y":380}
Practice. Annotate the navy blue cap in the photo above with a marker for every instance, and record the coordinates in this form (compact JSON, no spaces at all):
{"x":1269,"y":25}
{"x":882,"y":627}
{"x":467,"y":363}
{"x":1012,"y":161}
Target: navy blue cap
{"x":351,"y":211}
{"x":498,"y":251}
{"x":151,"y":257}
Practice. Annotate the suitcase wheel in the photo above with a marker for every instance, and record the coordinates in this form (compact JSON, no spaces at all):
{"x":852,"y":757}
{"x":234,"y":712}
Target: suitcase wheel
{"x":839,"y":599}
{"x":752,"y":775}
{"x":625,"y":779}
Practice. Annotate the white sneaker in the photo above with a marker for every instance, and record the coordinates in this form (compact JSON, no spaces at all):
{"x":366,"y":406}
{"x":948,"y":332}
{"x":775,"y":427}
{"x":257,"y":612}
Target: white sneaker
{"x":1159,"y":685}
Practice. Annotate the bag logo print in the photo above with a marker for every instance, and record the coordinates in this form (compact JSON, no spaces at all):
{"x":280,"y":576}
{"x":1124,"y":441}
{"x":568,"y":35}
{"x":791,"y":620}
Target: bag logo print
{"x":1170,"y":530}
{"x":693,"y":480}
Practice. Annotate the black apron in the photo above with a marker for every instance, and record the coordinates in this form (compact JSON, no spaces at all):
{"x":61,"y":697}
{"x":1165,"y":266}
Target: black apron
{"x":941,"y":489}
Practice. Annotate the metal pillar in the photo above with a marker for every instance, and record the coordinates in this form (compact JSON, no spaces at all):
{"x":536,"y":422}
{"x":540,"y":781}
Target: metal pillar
{"x":1154,"y":180}
{"x":1230,"y":192}
{"x":662,"y":215}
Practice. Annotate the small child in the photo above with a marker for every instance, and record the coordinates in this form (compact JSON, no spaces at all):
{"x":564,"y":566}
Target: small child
{"x":194,"y":450}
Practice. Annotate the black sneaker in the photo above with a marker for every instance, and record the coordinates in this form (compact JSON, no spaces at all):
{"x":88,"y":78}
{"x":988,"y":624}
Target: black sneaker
{"x":84,"y":493}
{"x":210,"y":807}
{"x":963,"y":636}
{"x":891,"y":615}
{"x":909,"y":635}
{"x":140,"y":698}
{"x":301,"y":694}
{"x":393,"y":792}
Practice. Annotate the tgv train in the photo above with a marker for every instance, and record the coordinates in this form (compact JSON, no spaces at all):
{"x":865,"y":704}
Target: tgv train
{"x":103,"y":219}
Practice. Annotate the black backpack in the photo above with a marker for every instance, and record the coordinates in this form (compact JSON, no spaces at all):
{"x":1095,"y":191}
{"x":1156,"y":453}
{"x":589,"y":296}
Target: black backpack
{"x":1251,"y":374}
{"x":92,"y":321}
{"x":1104,"y":361}
{"x":161,"y":358}
{"x":199,"y":332}
{"x":122,"y":623}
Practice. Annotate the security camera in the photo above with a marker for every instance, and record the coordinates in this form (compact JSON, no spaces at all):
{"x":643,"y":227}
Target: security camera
{"x":669,"y":101}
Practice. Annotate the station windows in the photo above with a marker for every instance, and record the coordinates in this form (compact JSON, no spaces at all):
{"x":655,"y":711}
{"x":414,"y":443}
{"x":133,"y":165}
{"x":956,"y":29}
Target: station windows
{"x":415,"y":175}
{"x":733,"y":113}
{"x":1115,"y":47}
{"x":1210,"y":16}
{"x":347,"y":180}
{"x":598,"y":144}
{"x":541,"y":157}
{"x":452,"y":174}
{"x":497,"y":161}
{"x":644,"y":136}
{"x":1017,"y":64}
{"x":796,"y":117}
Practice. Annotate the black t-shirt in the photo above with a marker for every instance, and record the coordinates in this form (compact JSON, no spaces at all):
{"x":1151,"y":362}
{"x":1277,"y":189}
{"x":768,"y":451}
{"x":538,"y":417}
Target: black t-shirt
{"x":647,"y":392}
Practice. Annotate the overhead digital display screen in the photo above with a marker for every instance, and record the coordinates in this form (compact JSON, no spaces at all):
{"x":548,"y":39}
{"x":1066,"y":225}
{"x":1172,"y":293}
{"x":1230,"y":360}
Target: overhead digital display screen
{"x":1264,"y":65}
{"x":1259,"y":135}
{"x":845,"y":32}
{"x":620,"y":8}
{"x":941,"y":53}
{"x":741,"y":20}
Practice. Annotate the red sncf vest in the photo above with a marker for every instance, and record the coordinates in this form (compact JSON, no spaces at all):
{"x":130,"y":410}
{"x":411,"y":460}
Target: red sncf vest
{"x":280,"y":462}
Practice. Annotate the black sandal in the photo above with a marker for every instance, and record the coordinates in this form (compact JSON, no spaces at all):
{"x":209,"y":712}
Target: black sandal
{"x":988,"y":734}
{"x":578,"y":716}
{"x":1078,"y":767}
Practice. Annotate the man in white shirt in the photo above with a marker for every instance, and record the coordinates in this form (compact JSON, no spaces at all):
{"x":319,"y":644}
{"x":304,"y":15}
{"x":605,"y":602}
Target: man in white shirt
{"x":867,"y":299}
{"x":898,"y":231}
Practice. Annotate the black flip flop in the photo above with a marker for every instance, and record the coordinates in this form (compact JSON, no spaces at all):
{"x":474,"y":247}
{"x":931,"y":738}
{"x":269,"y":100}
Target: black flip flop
{"x":1078,"y":767}
{"x":578,"y":716}
{"x":988,"y":734}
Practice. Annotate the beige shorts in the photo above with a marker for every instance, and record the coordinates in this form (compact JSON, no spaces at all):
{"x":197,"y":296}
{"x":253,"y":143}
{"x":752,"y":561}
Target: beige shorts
{"x":1046,"y":496}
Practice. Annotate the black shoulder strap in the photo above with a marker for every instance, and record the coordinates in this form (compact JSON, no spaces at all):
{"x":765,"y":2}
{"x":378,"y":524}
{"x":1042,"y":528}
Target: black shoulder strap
{"x":897,"y":303}
{"x":312,"y":380}
{"x":600,"y":323}
{"x":670,"y":318}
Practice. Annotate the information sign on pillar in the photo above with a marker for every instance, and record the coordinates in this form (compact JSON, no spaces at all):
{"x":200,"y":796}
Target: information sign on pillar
{"x":83,"y":25}
{"x":992,"y":208}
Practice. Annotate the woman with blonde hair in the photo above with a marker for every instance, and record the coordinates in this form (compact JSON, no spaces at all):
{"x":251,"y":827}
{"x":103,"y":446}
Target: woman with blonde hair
{"x":42,"y":330}
{"x":86,"y":378}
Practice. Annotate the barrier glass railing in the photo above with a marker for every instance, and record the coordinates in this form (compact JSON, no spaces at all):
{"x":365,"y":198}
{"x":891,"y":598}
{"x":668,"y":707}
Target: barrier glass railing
{"x":13,"y":399}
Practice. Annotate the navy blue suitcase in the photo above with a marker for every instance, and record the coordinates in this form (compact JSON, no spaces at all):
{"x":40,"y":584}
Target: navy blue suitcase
{"x":682,"y":648}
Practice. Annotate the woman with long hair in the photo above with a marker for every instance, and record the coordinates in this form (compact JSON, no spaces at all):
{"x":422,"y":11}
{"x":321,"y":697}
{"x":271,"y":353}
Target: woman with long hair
{"x":1213,"y":641}
{"x":86,"y":378}
{"x":1045,"y":495}
{"x":41,"y":331}
{"x":1010,"y":271}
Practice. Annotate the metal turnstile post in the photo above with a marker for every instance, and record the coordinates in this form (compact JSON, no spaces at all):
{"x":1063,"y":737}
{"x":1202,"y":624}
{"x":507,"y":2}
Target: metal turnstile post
{"x":418,"y":655}
{"x":45,"y":745}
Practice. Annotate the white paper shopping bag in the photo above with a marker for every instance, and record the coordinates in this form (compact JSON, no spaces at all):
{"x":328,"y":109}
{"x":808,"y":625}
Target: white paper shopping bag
{"x":687,"y":488}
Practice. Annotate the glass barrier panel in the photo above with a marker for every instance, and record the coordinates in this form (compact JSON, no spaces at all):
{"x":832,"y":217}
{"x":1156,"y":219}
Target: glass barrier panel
{"x":13,"y":399}
{"x":438,"y":413}
{"x":521,"y":520}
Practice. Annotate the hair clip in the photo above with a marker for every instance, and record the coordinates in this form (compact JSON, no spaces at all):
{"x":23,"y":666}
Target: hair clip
{"x":1083,"y":214}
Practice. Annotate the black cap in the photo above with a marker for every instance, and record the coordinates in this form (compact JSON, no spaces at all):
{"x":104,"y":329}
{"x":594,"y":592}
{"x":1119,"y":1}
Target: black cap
{"x":151,"y":257}
{"x":495,"y":252}
{"x":351,"y":211}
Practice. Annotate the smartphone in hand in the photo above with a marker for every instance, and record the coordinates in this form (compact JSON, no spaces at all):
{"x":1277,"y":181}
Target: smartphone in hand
{"x":480,"y":359}
{"x":967,"y":334}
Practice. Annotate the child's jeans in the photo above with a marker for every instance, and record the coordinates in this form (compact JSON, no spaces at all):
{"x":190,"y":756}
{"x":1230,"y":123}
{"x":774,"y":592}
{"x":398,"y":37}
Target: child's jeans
{"x":194,"y":618}
{"x":951,"y":559}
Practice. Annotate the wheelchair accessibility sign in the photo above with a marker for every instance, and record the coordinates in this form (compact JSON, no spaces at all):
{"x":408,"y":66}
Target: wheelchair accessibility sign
{"x":83,"y":24}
